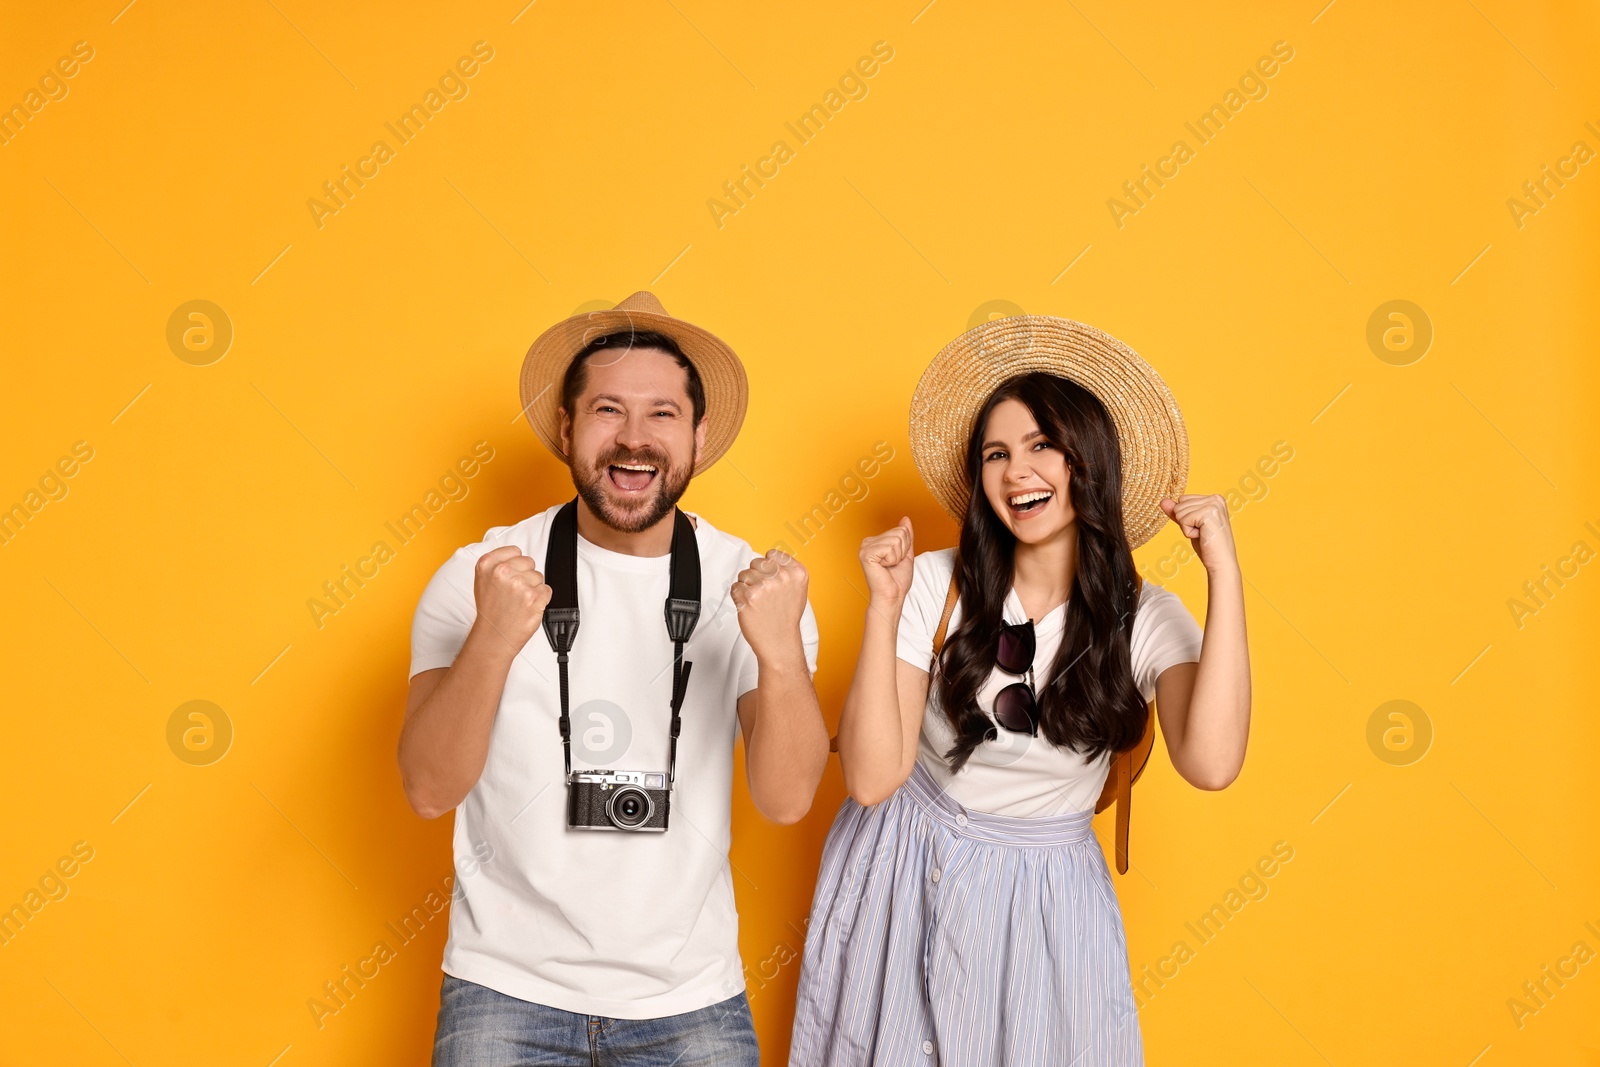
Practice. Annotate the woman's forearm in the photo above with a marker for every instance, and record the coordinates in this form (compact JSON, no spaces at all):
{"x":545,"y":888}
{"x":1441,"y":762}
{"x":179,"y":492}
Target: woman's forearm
{"x":1218,"y":723}
{"x":872,"y":744}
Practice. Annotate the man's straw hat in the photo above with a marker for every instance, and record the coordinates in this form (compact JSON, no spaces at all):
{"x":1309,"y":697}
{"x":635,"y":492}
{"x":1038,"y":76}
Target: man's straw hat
{"x":954,"y":388}
{"x":727,"y":391}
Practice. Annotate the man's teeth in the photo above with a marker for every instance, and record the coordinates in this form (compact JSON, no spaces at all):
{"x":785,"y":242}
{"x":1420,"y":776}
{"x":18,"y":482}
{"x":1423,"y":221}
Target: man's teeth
{"x":635,"y":467}
{"x":1028,"y":498}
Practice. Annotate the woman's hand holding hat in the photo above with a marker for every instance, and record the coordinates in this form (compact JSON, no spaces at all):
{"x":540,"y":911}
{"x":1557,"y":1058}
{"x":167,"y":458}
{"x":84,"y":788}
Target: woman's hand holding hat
{"x":1203,"y":518}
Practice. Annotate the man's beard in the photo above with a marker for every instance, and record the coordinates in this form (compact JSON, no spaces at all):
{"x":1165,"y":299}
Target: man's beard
{"x":638,"y":513}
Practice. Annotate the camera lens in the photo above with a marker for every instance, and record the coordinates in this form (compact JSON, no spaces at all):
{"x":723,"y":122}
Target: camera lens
{"x":629,"y":808}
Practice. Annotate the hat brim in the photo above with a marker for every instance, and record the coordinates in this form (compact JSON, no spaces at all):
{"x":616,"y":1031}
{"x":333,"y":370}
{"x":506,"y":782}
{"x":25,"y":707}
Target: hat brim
{"x":967,"y":371}
{"x":721,"y":373}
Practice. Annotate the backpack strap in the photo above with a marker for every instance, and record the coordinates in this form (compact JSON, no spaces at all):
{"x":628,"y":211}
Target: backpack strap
{"x":1126,"y":767}
{"x":944,"y":621}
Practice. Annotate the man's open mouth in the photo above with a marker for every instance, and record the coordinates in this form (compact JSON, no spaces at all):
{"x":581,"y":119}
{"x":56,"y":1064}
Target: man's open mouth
{"x":632,"y":477}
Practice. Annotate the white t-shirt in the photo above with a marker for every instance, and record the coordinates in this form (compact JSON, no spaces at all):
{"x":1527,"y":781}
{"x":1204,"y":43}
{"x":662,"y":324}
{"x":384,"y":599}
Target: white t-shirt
{"x":1015,"y":774}
{"x":631,"y":925}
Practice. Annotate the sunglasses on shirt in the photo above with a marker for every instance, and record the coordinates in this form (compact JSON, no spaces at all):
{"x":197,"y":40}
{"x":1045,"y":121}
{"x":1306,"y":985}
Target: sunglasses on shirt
{"x":1015,"y":707}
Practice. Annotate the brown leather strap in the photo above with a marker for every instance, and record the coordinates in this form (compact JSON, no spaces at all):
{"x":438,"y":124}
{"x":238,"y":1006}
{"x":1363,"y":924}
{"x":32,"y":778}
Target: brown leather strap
{"x":1126,"y":768}
{"x":938,"y":642}
{"x":944,"y":621}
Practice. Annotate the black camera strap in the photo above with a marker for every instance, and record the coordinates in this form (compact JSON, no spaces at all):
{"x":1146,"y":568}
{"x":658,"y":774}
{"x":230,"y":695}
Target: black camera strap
{"x":561,"y":614}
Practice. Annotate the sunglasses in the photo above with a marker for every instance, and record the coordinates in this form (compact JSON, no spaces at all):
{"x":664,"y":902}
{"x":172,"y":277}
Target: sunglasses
{"x":1015,"y":707}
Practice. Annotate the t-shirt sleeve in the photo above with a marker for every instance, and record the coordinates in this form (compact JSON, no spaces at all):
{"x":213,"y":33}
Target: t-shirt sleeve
{"x":445,"y":613}
{"x":749,"y":674}
{"x":919,"y":615}
{"x":1164,"y":633}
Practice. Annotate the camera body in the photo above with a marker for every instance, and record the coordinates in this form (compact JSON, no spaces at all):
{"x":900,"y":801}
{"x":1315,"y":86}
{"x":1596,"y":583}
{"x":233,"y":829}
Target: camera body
{"x":618,"y":800}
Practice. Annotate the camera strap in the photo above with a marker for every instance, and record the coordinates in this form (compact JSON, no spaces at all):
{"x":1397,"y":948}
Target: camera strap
{"x":682,"y":611}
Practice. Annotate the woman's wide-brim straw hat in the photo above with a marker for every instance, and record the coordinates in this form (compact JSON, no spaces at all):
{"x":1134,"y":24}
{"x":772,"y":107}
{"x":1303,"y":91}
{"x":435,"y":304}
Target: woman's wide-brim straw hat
{"x":721,"y":373}
{"x":959,"y":381}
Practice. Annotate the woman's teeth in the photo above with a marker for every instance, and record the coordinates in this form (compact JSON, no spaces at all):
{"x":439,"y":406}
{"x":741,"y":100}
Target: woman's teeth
{"x":1029,"y":501}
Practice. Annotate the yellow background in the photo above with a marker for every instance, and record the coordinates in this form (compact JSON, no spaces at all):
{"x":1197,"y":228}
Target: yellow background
{"x":372,"y":352}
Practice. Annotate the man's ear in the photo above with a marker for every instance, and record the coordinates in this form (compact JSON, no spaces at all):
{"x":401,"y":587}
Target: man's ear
{"x":565,"y":431}
{"x":700,"y":438}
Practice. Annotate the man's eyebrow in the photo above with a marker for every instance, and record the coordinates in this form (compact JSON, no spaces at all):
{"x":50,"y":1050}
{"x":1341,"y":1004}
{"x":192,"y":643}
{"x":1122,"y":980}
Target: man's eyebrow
{"x":666,"y":401}
{"x":1025,"y":439}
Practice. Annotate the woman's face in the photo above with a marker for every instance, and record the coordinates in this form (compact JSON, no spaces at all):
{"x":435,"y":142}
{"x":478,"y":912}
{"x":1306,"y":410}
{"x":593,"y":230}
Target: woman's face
{"x":1025,"y":477}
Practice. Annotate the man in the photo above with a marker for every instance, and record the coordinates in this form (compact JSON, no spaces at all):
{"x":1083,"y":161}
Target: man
{"x":581,"y":932}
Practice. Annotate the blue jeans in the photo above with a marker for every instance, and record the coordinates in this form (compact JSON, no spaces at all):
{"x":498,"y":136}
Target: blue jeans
{"x":480,"y":1027}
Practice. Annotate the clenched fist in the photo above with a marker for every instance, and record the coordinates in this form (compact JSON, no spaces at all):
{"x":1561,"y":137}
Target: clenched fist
{"x":770,"y":595}
{"x":511,"y":594}
{"x":887,"y":561}
{"x":1203,"y":518}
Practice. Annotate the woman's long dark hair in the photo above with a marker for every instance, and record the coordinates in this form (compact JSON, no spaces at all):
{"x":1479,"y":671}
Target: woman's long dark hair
{"x":1087,"y":698}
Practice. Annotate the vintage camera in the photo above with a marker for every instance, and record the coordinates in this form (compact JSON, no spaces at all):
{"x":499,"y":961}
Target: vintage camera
{"x":617,"y":800}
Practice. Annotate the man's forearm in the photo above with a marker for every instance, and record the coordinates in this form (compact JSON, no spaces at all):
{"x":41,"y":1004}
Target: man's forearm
{"x":445,"y":742}
{"x":789,"y":740}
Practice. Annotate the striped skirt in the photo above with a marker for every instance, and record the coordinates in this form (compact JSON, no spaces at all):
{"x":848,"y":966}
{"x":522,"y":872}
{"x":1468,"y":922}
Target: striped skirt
{"x":944,"y":935}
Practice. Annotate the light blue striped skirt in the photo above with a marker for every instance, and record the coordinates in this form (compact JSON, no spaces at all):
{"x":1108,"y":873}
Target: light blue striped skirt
{"x":944,"y":935}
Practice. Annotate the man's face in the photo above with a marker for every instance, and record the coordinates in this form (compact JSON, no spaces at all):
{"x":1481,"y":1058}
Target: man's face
{"x":631,"y":440}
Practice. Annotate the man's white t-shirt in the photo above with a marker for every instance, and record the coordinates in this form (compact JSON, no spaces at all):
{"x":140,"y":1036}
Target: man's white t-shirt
{"x":1015,"y":774}
{"x":631,"y":925}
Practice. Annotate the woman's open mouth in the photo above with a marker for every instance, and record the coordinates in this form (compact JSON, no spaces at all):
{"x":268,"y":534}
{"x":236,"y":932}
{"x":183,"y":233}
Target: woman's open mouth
{"x":632,"y":478}
{"x":1022,"y":505}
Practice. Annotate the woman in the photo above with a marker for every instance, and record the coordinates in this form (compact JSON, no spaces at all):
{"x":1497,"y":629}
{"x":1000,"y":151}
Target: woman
{"x":964,"y":913}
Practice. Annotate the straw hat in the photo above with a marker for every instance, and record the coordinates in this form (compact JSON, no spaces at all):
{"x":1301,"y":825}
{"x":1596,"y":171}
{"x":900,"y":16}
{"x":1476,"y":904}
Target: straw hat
{"x":721,"y":373}
{"x":954,"y":388}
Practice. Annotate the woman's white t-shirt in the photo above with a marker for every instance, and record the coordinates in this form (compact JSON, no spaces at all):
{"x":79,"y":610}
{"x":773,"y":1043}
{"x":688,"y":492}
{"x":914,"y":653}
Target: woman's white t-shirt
{"x":1014,"y":774}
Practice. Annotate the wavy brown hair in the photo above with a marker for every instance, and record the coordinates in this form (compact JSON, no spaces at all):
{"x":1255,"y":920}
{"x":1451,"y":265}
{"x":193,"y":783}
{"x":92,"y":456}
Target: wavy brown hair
{"x":1087,"y":698}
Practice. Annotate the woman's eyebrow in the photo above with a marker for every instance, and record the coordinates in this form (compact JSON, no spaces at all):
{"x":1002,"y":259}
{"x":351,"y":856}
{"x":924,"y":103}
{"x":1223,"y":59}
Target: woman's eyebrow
{"x":1025,"y":439}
